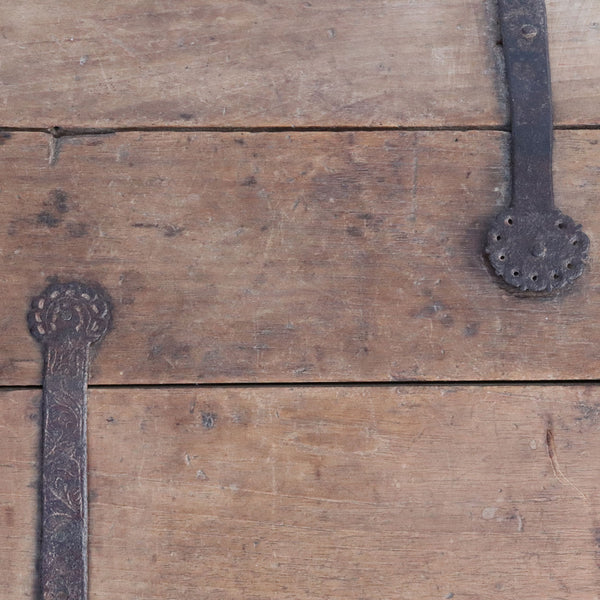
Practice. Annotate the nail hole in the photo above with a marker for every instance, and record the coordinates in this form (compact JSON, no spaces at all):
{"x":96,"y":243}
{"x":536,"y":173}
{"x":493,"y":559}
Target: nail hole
{"x":534,"y":278}
{"x":560,"y":225}
{"x":501,"y":257}
{"x":498,"y":238}
{"x":509,"y":221}
{"x":569,"y":265}
{"x":516,"y":273}
{"x":529,"y":31}
{"x":555,"y":276}
{"x":575,"y":242}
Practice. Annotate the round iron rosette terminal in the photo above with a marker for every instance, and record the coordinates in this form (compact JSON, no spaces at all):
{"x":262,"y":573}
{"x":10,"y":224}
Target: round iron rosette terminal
{"x":537,"y":251}
{"x":72,"y":310}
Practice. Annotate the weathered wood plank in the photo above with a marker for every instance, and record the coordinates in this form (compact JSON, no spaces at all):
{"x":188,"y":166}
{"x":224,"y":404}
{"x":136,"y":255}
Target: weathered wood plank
{"x":342,"y":63}
{"x":574,"y":30}
{"x":19,"y":448}
{"x":304,"y":257}
{"x":349,"y":492}
{"x":241,"y":63}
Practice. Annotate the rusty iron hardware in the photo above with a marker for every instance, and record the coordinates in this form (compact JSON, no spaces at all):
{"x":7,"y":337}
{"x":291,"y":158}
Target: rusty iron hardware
{"x":532,"y":245}
{"x":66,"y":319}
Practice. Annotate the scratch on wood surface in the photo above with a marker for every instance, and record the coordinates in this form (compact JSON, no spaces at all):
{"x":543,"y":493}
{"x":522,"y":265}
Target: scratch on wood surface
{"x":55,"y":144}
{"x":107,"y":81}
{"x":550,"y":443}
{"x":415,"y":180}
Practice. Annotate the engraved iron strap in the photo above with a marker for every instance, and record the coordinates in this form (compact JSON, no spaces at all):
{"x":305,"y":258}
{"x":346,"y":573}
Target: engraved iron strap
{"x":532,"y":245}
{"x":66,"y":319}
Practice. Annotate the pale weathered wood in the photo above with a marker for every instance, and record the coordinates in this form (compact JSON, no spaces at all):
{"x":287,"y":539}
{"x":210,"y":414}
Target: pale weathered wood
{"x":242,"y":63}
{"x":301,"y":257}
{"x":19,"y":445}
{"x":343,"y":493}
{"x":237,"y":63}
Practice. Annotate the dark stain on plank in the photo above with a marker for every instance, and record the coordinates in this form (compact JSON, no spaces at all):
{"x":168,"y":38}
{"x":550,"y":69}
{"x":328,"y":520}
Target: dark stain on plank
{"x":47,"y":219}
{"x":146,"y":225}
{"x":164,"y":347}
{"x":471,"y":330}
{"x":354,"y":231}
{"x":589,"y":412}
{"x":57,"y":206}
{"x":9,"y":516}
{"x":596,"y":534}
{"x":59,"y":200}
{"x":209,"y":420}
{"x":77,"y":230}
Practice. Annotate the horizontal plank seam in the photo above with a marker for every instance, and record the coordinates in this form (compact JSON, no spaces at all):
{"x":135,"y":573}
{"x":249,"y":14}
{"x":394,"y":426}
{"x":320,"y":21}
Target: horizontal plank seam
{"x":328,"y":384}
{"x":60,"y":132}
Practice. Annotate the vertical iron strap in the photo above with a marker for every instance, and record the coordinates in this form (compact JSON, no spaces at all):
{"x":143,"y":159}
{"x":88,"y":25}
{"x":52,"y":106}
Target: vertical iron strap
{"x":66,"y":319}
{"x":525,"y":41}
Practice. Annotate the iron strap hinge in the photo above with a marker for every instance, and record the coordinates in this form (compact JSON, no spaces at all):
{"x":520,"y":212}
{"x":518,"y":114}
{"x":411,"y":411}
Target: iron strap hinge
{"x":532,"y":245}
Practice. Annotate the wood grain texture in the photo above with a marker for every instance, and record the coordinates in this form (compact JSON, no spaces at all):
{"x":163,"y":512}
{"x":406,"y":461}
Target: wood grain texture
{"x":301,"y":257}
{"x":20,"y":416}
{"x":344,"y":493}
{"x":237,"y":63}
{"x":257,"y":63}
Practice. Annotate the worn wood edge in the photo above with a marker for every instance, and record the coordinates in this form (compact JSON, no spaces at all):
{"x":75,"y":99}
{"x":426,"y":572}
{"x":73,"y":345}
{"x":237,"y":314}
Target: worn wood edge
{"x":411,"y":491}
{"x":373,"y":240}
